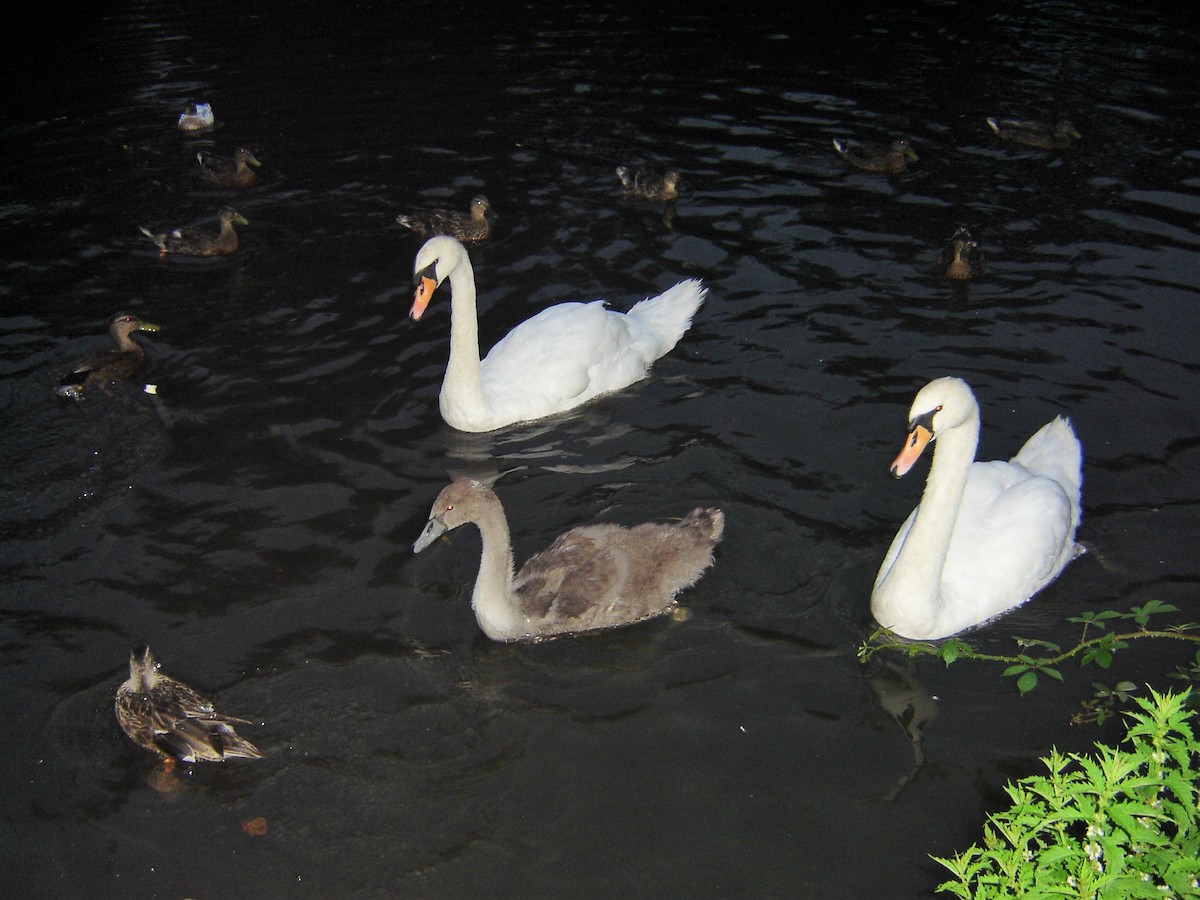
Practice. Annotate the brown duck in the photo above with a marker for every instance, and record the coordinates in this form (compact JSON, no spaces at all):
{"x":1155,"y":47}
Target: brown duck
{"x":195,"y":242}
{"x":169,"y":718}
{"x":468,"y":228}
{"x":234,"y":172}
{"x":890,"y":158}
{"x":101,"y":369}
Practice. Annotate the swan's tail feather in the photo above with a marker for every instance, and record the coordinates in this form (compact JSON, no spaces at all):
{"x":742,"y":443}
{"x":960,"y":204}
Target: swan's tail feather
{"x":669,"y":314}
{"x":1054,"y":452}
{"x":709,"y":523}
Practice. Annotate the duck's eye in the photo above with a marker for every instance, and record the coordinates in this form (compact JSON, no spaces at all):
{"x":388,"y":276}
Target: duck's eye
{"x":449,"y":506}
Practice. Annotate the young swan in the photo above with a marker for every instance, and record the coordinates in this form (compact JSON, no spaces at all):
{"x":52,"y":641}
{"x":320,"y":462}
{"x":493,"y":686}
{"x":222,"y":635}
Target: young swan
{"x":596,"y":576}
{"x":986,"y":536}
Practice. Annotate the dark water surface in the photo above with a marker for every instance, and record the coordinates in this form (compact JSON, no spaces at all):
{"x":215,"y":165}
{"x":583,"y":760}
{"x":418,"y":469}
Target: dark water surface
{"x":254,"y":522}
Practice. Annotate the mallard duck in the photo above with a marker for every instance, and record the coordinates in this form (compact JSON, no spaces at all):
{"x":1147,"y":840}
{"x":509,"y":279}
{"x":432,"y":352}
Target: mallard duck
{"x":561,"y":358}
{"x":986,"y":536}
{"x":597,"y":576}
{"x":196,"y":117}
{"x":963,"y":259}
{"x":649,"y":185}
{"x":1035,"y":134}
{"x":115,"y":365}
{"x":233,"y":172}
{"x":469,"y":228}
{"x":890,"y":158}
{"x":169,"y":718}
{"x":194,"y":242}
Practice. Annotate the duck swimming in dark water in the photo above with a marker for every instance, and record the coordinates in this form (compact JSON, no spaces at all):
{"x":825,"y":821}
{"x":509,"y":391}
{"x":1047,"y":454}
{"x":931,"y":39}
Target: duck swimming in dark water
{"x":101,"y":369}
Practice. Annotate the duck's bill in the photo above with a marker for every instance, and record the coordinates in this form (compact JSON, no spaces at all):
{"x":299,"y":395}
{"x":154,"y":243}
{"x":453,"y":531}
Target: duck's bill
{"x":148,"y":326}
{"x":424,"y":293}
{"x":914,"y":444}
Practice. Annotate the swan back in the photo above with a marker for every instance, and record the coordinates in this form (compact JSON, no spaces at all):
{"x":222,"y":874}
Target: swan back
{"x":592,"y":577}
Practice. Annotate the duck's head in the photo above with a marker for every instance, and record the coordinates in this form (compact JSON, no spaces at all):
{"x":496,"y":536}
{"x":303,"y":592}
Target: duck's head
{"x":479,"y":206}
{"x":1064,"y":127}
{"x":437,"y":258}
{"x":244,"y":155}
{"x":143,"y":668}
{"x":124,"y":324}
{"x":900,"y":145}
{"x":229,"y":215}
{"x":942,"y":404}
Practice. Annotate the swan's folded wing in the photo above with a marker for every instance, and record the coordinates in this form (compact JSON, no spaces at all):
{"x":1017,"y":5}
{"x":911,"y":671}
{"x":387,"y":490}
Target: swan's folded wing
{"x":1014,"y":533}
{"x":561,"y":356}
{"x":571,"y":578}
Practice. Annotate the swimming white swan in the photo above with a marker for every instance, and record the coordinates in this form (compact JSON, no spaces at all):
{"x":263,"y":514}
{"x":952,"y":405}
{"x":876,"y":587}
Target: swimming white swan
{"x":986,"y":536}
{"x":562,"y":357}
{"x":596,"y":576}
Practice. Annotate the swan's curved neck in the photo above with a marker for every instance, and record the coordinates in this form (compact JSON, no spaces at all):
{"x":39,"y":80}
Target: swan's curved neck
{"x":462,"y":395}
{"x":914,"y":580}
{"x":495,"y":607}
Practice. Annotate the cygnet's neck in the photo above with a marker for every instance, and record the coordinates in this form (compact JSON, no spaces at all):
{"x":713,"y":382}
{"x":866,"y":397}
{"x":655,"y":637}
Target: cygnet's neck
{"x":492,"y":600}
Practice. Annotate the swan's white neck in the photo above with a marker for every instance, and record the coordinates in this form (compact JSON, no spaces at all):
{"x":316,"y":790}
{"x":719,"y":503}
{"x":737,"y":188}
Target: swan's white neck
{"x":910,"y":591}
{"x":462,"y":400}
{"x":492,"y":600}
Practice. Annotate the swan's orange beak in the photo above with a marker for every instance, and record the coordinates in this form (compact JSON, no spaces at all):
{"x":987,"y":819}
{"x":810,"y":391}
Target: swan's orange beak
{"x":913,"y":445}
{"x":425,"y":289}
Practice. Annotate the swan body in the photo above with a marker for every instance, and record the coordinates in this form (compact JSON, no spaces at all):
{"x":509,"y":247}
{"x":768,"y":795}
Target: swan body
{"x":100,"y":369}
{"x":986,"y":536}
{"x":232,"y":172}
{"x":195,"y":117}
{"x":469,"y":228}
{"x":564,"y":356}
{"x":649,"y":185}
{"x":593,"y":577}
{"x":169,"y":718}
{"x":196,"y":242}
{"x":962,"y":260}
{"x":891,"y":158}
{"x":1035,"y":134}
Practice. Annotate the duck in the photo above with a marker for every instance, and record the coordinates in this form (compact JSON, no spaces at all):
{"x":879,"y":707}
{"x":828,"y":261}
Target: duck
{"x":986,"y":536}
{"x":591,"y":578}
{"x":468,"y":228}
{"x":170,"y":719}
{"x":891,"y":158}
{"x":1035,"y":134}
{"x":101,"y":369}
{"x":563,"y":357}
{"x":649,"y":185}
{"x":194,"y":242}
{"x":962,"y":260}
{"x":232,"y":172}
{"x":196,"y":117}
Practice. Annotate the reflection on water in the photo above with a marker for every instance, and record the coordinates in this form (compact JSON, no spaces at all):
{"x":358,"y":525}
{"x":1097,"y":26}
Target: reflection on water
{"x":254,"y":518}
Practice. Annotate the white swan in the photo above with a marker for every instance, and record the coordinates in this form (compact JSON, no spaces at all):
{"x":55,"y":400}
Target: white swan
{"x":986,"y":536}
{"x":562,"y":357}
{"x":597,"y":576}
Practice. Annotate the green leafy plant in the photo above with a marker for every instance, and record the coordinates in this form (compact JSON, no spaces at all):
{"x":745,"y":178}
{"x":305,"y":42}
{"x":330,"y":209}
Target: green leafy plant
{"x":1122,"y":822}
{"x":1036,"y":658}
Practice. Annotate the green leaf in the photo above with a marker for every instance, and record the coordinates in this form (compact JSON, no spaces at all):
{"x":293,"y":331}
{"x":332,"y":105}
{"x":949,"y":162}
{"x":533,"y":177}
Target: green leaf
{"x":1027,"y":682}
